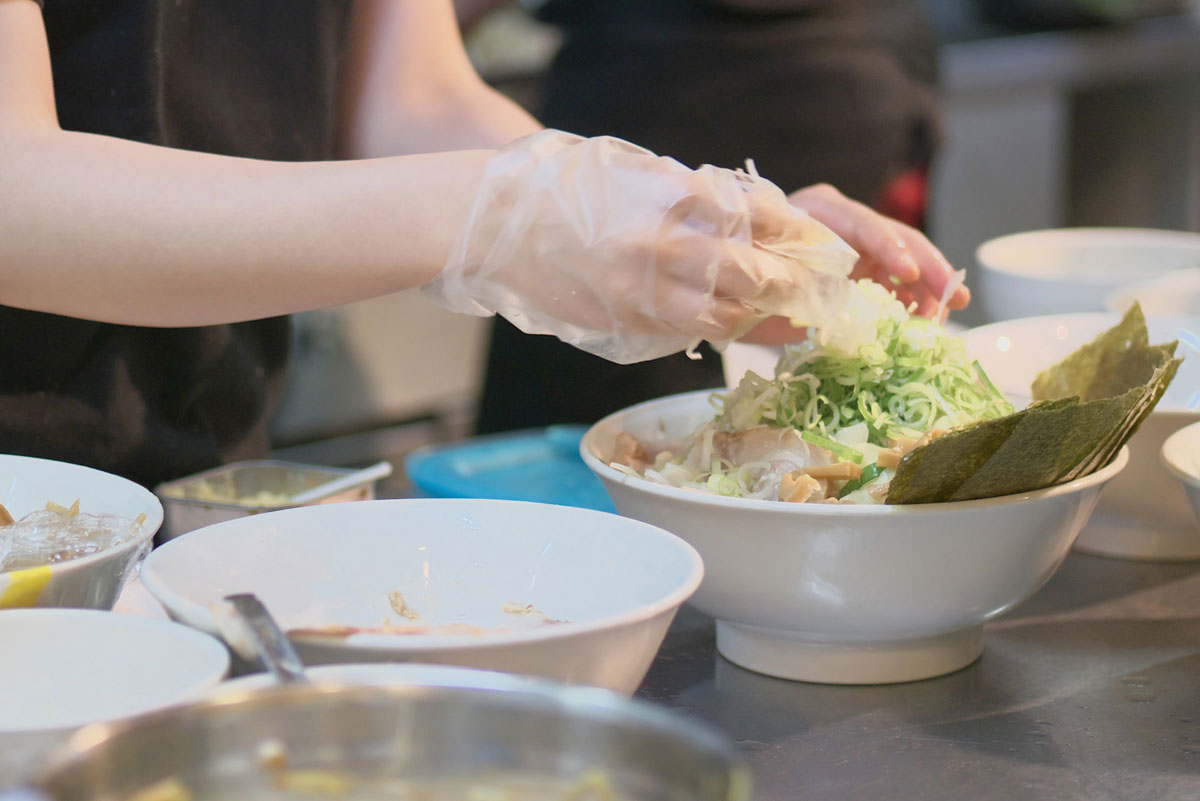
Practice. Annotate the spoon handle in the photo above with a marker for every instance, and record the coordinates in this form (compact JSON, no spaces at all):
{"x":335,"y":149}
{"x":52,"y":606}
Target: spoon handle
{"x":364,"y":476}
{"x":273,"y":646}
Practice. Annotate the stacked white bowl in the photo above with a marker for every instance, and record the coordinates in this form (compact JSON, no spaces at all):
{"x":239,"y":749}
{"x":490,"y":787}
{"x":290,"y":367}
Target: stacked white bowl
{"x":1066,"y":278}
{"x":1067,"y":270}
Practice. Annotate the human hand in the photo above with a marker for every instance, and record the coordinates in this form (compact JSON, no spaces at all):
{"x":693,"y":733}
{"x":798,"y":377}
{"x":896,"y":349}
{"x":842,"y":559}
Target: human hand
{"x":890,"y":252}
{"x":632,"y":256}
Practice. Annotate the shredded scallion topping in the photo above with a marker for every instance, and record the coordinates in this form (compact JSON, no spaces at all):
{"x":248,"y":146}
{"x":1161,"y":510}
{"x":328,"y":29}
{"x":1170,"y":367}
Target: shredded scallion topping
{"x":899,"y":375}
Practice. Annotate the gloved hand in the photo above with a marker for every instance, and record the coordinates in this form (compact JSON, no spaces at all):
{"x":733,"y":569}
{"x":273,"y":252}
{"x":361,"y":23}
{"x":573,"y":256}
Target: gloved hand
{"x":632,"y":256}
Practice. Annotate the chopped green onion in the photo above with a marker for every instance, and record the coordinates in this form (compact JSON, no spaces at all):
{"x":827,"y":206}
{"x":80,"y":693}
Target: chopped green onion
{"x":987,"y":382}
{"x":839,"y":450}
{"x":869,"y":474}
{"x":911,"y":377}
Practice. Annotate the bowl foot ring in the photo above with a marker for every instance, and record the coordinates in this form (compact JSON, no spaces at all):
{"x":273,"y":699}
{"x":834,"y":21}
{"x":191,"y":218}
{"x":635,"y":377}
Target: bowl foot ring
{"x":781,"y":654}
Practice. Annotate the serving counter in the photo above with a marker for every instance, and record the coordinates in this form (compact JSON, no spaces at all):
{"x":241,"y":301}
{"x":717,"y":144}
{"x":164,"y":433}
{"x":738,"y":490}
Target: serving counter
{"x":1090,"y":691}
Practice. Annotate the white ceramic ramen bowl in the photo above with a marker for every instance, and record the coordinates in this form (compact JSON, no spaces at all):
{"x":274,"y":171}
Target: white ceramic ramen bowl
{"x":1181,"y":455}
{"x":848,"y":594}
{"x":616,"y":584}
{"x":1143,"y":513}
{"x":93,"y":581}
{"x":1068,"y":270}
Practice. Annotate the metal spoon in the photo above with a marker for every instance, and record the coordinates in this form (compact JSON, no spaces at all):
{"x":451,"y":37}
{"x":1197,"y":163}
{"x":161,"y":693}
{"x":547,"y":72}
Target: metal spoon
{"x":262,"y":634}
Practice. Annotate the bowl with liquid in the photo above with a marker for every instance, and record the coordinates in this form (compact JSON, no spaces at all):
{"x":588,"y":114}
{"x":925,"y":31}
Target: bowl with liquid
{"x":70,"y":535}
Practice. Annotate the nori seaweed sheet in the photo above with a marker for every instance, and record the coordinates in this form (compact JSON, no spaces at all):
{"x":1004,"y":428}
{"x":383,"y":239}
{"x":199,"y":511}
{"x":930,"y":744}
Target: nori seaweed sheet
{"x":1058,"y":438}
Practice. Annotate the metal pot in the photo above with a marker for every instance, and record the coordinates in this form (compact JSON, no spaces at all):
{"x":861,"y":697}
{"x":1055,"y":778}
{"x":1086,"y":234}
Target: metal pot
{"x":461,"y":725}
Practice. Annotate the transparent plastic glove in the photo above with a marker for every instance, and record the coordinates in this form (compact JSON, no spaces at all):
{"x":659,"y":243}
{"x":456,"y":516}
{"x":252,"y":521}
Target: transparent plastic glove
{"x":632,"y":256}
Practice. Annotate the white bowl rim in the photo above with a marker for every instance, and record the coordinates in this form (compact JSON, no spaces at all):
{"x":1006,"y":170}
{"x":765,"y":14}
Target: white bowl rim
{"x":1132,"y":234}
{"x":1169,"y":444}
{"x":154,"y":519}
{"x":1122,"y":296}
{"x":1111,"y":317}
{"x":1084,"y":316}
{"x":418,"y":643}
{"x":827,"y":510}
{"x":103,"y":617}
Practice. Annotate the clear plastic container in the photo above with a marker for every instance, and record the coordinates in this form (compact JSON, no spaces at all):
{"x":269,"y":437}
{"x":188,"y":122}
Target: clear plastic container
{"x":246,"y":488}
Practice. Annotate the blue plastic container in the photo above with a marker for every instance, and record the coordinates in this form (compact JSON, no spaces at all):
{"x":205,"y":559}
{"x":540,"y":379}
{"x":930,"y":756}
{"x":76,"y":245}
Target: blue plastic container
{"x":541,"y":465}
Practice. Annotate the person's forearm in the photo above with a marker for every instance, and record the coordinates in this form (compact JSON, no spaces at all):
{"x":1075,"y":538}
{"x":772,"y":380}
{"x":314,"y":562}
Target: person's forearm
{"x":484,"y":119}
{"x":409,"y":87}
{"x":105,"y":229}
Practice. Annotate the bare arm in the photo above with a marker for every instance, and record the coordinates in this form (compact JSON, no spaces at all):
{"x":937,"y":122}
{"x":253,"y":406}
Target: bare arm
{"x":410,"y":87}
{"x":106,"y":229}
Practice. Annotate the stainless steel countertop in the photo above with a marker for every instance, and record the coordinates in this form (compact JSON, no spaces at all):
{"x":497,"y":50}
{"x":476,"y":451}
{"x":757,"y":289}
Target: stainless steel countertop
{"x":1088,"y":691}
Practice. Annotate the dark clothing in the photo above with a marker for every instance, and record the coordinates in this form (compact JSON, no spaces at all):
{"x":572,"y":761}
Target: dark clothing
{"x":255,"y":79}
{"x":837,"y":91}
{"x":840,"y":91}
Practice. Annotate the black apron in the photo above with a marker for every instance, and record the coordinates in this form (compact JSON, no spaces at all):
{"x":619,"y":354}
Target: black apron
{"x":253,"y":79}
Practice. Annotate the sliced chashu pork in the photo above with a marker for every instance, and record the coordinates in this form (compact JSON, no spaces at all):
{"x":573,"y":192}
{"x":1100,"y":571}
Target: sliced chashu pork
{"x":781,"y":450}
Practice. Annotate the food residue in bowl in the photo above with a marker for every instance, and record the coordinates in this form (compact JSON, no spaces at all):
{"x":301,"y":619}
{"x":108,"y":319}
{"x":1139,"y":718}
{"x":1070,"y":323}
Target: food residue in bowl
{"x":528,"y":612}
{"x":396,"y":599}
{"x":59,"y":533}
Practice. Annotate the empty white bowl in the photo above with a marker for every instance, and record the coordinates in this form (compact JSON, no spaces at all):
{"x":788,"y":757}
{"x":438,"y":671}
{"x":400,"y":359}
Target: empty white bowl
{"x":848,"y":594}
{"x":64,"y":668}
{"x":1181,"y":455}
{"x":615,"y":582}
{"x":93,"y":581}
{"x":1143,"y":513}
{"x":1176,"y":293}
{"x":1066,"y":270}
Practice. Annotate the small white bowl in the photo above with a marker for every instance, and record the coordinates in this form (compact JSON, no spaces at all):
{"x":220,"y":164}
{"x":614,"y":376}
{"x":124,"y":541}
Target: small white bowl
{"x":617,"y":583}
{"x":1143,"y":513}
{"x":1066,"y":270}
{"x":1181,"y":455}
{"x":1176,"y":293}
{"x":65,"y":668}
{"x":848,"y":594}
{"x":93,"y":581}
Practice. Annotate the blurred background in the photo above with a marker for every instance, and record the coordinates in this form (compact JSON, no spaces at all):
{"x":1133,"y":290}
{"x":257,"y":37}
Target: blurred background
{"x":1053,"y":113}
